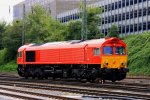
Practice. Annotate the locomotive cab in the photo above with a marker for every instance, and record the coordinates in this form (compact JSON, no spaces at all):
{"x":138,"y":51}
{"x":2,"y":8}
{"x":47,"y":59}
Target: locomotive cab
{"x":114,"y":60}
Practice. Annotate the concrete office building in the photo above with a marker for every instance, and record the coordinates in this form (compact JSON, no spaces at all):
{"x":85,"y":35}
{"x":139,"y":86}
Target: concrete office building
{"x":131,"y":16}
{"x":53,"y":6}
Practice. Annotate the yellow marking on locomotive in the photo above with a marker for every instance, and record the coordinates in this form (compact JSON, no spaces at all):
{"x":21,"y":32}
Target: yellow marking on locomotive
{"x":114,"y":61}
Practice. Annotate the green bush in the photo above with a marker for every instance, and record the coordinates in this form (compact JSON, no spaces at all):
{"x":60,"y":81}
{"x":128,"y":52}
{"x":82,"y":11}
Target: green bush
{"x":139,"y":53}
{"x":9,"y":67}
{"x":3,"y":54}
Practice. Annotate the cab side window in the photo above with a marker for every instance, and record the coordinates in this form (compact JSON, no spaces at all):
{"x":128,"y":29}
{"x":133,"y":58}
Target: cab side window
{"x":96,"y":51}
{"x":19,"y":54}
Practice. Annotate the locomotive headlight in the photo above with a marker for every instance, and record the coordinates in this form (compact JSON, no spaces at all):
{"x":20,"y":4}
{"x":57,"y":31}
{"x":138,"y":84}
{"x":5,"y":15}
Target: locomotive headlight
{"x":105,"y":64}
{"x":124,"y":64}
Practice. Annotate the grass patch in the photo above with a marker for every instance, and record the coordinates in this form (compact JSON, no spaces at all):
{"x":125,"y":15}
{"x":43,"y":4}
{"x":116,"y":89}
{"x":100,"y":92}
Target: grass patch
{"x":10,"y":67}
{"x":3,"y":54}
{"x":139,"y":54}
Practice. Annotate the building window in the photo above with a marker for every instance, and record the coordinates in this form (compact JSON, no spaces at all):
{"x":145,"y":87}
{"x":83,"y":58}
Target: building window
{"x":144,"y":26}
{"x":119,"y":4}
{"x":123,"y":29}
{"x":106,"y":20}
{"x":109,"y":7}
{"x":135,"y":13}
{"x":148,"y":10}
{"x":135,"y":1}
{"x":135,"y":27}
{"x":109,"y":19}
{"x":112,"y":6}
{"x":123,"y":3}
{"x":112,"y":18}
{"x":116,"y":18}
{"x":105,"y":8}
{"x":131,"y":14}
{"x":123,"y":16}
{"x":139,"y":26}
{"x":103,"y":21}
{"x":127,"y":28}
{"x":106,"y":32}
{"x":144,"y":11}
{"x":102,"y":31}
{"x":148,"y":25}
{"x":139,"y":1}
{"x":140,"y":13}
{"x":96,"y":51}
{"x":119,"y":17}
{"x":131,"y":28}
{"x":127,"y":15}
{"x":115,"y":5}
{"x":127,"y":2}
{"x":119,"y":29}
{"x":131,"y":2}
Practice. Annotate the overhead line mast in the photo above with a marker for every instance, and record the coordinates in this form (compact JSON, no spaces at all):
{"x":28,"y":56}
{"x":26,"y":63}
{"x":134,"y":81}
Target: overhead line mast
{"x":84,"y":21}
{"x":23,"y":26}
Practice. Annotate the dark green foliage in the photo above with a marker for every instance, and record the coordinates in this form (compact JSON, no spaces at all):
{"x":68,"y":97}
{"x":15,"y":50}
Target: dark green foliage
{"x":93,"y":22}
{"x":2,"y":30}
{"x":73,"y":31}
{"x":3,"y":54}
{"x":113,"y":31}
{"x":139,"y":53}
{"x":40,"y":27}
{"x":10,"y":67}
{"x":12,"y":39}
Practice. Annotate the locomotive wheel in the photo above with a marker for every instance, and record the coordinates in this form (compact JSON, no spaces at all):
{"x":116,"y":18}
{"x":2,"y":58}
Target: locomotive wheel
{"x":40,"y":78}
{"x":53,"y":78}
{"x":26,"y":77}
{"x":113,"y":80}
{"x":46,"y":77}
{"x":33,"y":77}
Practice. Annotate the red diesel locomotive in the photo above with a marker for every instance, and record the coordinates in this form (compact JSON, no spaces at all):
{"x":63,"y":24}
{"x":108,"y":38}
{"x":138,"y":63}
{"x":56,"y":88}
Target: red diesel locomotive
{"x":91,"y":59}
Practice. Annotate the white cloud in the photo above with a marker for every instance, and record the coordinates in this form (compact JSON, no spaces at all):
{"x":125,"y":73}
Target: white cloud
{"x":4,"y":9}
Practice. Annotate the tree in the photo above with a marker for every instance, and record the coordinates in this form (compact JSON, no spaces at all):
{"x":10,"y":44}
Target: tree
{"x":93,"y":23}
{"x":12,"y":38}
{"x":73,"y":30}
{"x":2,"y":30}
{"x":113,"y":31}
{"x":40,"y":27}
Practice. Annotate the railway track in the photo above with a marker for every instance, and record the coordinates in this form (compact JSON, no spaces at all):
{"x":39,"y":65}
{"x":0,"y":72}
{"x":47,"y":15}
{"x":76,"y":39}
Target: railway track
{"x":81,"y":90}
{"x":15,"y":78}
{"x":136,"y":87}
{"x":138,"y":77}
{"x":125,"y":91}
{"x":18,"y":96}
{"x":31,"y":95}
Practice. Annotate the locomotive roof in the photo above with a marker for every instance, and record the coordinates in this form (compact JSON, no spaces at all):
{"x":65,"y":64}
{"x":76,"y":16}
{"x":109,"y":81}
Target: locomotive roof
{"x":67,"y":44}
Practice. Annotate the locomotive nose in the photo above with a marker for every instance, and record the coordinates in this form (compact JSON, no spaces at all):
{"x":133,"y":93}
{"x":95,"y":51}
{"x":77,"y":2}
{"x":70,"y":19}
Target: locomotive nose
{"x":114,"y":62}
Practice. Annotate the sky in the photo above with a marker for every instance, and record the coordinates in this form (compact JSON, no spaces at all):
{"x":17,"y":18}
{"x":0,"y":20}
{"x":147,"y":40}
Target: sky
{"x":5,"y":15}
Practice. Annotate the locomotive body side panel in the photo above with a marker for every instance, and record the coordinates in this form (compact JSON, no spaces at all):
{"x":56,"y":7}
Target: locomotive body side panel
{"x":72,"y":56}
{"x":50,"y":56}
